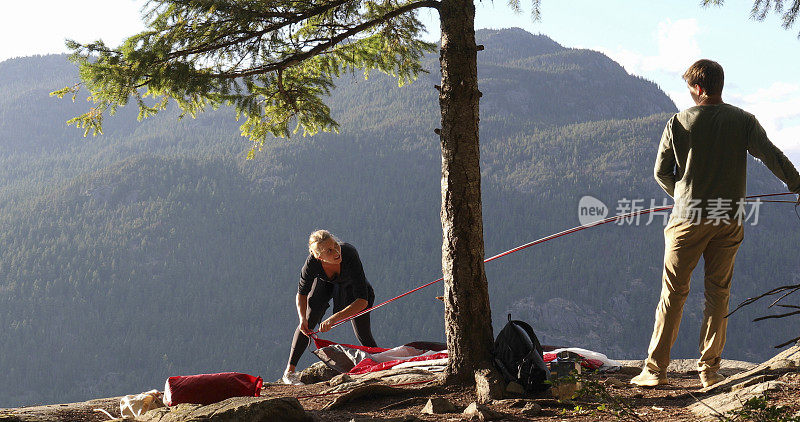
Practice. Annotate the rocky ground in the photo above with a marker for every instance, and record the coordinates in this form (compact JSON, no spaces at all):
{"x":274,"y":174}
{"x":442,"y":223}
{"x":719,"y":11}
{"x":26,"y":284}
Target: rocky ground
{"x":402,"y":395}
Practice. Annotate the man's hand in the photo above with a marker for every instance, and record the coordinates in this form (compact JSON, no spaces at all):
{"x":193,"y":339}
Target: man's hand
{"x":327,"y":324}
{"x":304,"y":327}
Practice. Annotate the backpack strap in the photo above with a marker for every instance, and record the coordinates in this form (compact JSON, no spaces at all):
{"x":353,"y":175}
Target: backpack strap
{"x":529,"y":330}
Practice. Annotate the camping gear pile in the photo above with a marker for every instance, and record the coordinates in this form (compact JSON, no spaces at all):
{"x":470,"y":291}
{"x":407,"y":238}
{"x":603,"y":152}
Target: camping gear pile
{"x":519,"y":357}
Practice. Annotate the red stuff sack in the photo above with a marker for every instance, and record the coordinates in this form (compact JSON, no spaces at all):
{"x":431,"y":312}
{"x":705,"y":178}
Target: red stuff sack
{"x":210,"y":388}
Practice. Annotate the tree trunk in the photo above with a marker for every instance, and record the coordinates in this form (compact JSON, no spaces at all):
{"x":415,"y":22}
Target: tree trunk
{"x":467,"y":319}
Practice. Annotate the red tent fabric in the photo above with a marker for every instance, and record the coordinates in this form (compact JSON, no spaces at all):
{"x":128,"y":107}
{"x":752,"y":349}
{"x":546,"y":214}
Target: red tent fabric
{"x":346,"y":357}
{"x":368,"y":365}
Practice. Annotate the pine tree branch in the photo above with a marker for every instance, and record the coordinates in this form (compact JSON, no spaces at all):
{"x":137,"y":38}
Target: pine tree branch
{"x":227,"y":7}
{"x":289,"y":99}
{"x":290,"y":19}
{"x":762,"y":8}
{"x":320,"y":48}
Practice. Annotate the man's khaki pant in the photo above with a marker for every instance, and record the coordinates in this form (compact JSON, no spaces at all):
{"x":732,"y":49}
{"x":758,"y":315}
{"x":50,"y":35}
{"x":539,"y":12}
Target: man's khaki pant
{"x":684,"y":243}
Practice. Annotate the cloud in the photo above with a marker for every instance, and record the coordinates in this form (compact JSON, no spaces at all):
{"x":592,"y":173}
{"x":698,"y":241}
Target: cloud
{"x":677,"y":47}
{"x":681,"y":98}
{"x":777,"y":108}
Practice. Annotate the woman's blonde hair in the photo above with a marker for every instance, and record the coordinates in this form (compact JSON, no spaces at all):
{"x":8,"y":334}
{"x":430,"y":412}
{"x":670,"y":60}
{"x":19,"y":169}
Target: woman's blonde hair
{"x":318,"y":237}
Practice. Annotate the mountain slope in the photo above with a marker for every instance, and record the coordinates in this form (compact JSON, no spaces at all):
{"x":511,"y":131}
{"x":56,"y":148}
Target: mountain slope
{"x":157,"y":250}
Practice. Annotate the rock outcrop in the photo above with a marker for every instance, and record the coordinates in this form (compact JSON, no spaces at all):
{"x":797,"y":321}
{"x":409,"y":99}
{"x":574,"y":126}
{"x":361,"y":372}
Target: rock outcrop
{"x":234,"y":409}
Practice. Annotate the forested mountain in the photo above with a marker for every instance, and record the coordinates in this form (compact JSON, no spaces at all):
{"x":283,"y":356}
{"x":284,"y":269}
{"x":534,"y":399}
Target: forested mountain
{"x":157,"y":249}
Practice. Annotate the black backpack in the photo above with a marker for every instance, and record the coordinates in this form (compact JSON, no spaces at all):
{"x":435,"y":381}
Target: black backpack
{"x":519,"y":356}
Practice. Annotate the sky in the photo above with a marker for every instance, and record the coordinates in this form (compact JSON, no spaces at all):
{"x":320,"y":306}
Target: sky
{"x":657,"y":41}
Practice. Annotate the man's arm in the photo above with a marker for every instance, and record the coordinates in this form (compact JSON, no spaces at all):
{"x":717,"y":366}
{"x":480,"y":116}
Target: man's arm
{"x":664,"y":171}
{"x":759,"y":146}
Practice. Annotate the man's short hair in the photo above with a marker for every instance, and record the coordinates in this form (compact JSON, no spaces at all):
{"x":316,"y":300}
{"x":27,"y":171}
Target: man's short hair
{"x":706,"y":73}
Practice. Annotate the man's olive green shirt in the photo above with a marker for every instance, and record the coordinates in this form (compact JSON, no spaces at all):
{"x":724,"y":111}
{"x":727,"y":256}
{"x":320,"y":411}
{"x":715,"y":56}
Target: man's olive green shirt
{"x":702,"y":158}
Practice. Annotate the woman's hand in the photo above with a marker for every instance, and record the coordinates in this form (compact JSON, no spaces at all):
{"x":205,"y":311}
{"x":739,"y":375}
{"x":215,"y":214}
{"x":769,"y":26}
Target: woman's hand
{"x":304,"y":327}
{"x":327,"y":324}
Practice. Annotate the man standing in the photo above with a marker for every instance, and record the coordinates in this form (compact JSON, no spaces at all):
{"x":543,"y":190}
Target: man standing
{"x":702,"y":164}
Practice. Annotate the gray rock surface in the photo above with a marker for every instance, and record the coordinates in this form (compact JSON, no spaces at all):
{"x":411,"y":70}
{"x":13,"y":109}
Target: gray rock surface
{"x":317,"y":372}
{"x":753,"y":381}
{"x":791,"y":354}
{"x":477,"y":412}
{"x":437,"y":406}
{"x":60,"y":412}
{"x":390,"y":377}
{"x":782,"y":364}
{"x":340,"y":379}
{"x":726,"y":402}
{"x":362,"y":392}
{"x":234,"y":409}
{"x":687,"y":366}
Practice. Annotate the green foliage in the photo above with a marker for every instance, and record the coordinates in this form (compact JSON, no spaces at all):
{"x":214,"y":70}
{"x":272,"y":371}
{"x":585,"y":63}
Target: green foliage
{"x":273,"y":62}
{"x":595,"y":394}
{"x":759,"y":409}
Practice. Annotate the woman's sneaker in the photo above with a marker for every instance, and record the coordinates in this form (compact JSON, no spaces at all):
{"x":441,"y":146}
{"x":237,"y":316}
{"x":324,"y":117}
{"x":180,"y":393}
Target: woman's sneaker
{"x":291,"y":378}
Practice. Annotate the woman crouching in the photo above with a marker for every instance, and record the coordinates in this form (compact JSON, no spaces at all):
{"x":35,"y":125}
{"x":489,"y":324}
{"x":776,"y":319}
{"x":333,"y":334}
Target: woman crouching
{"x":332,"y":270}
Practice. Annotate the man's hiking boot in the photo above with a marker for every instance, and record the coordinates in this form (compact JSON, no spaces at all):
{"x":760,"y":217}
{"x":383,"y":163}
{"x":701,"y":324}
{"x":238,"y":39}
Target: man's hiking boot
{"x":291,"y":378}
{"x":649,"y":379}
{"x":709,"y":378}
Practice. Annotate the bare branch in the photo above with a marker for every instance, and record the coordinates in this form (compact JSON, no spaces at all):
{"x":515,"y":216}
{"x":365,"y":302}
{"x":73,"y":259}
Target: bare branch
{"x":788,"y":342}
{"x":776,"y":316}
{"x":781,"y":298}
{"x":791,"y":289}
{"x":769,"y":293}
